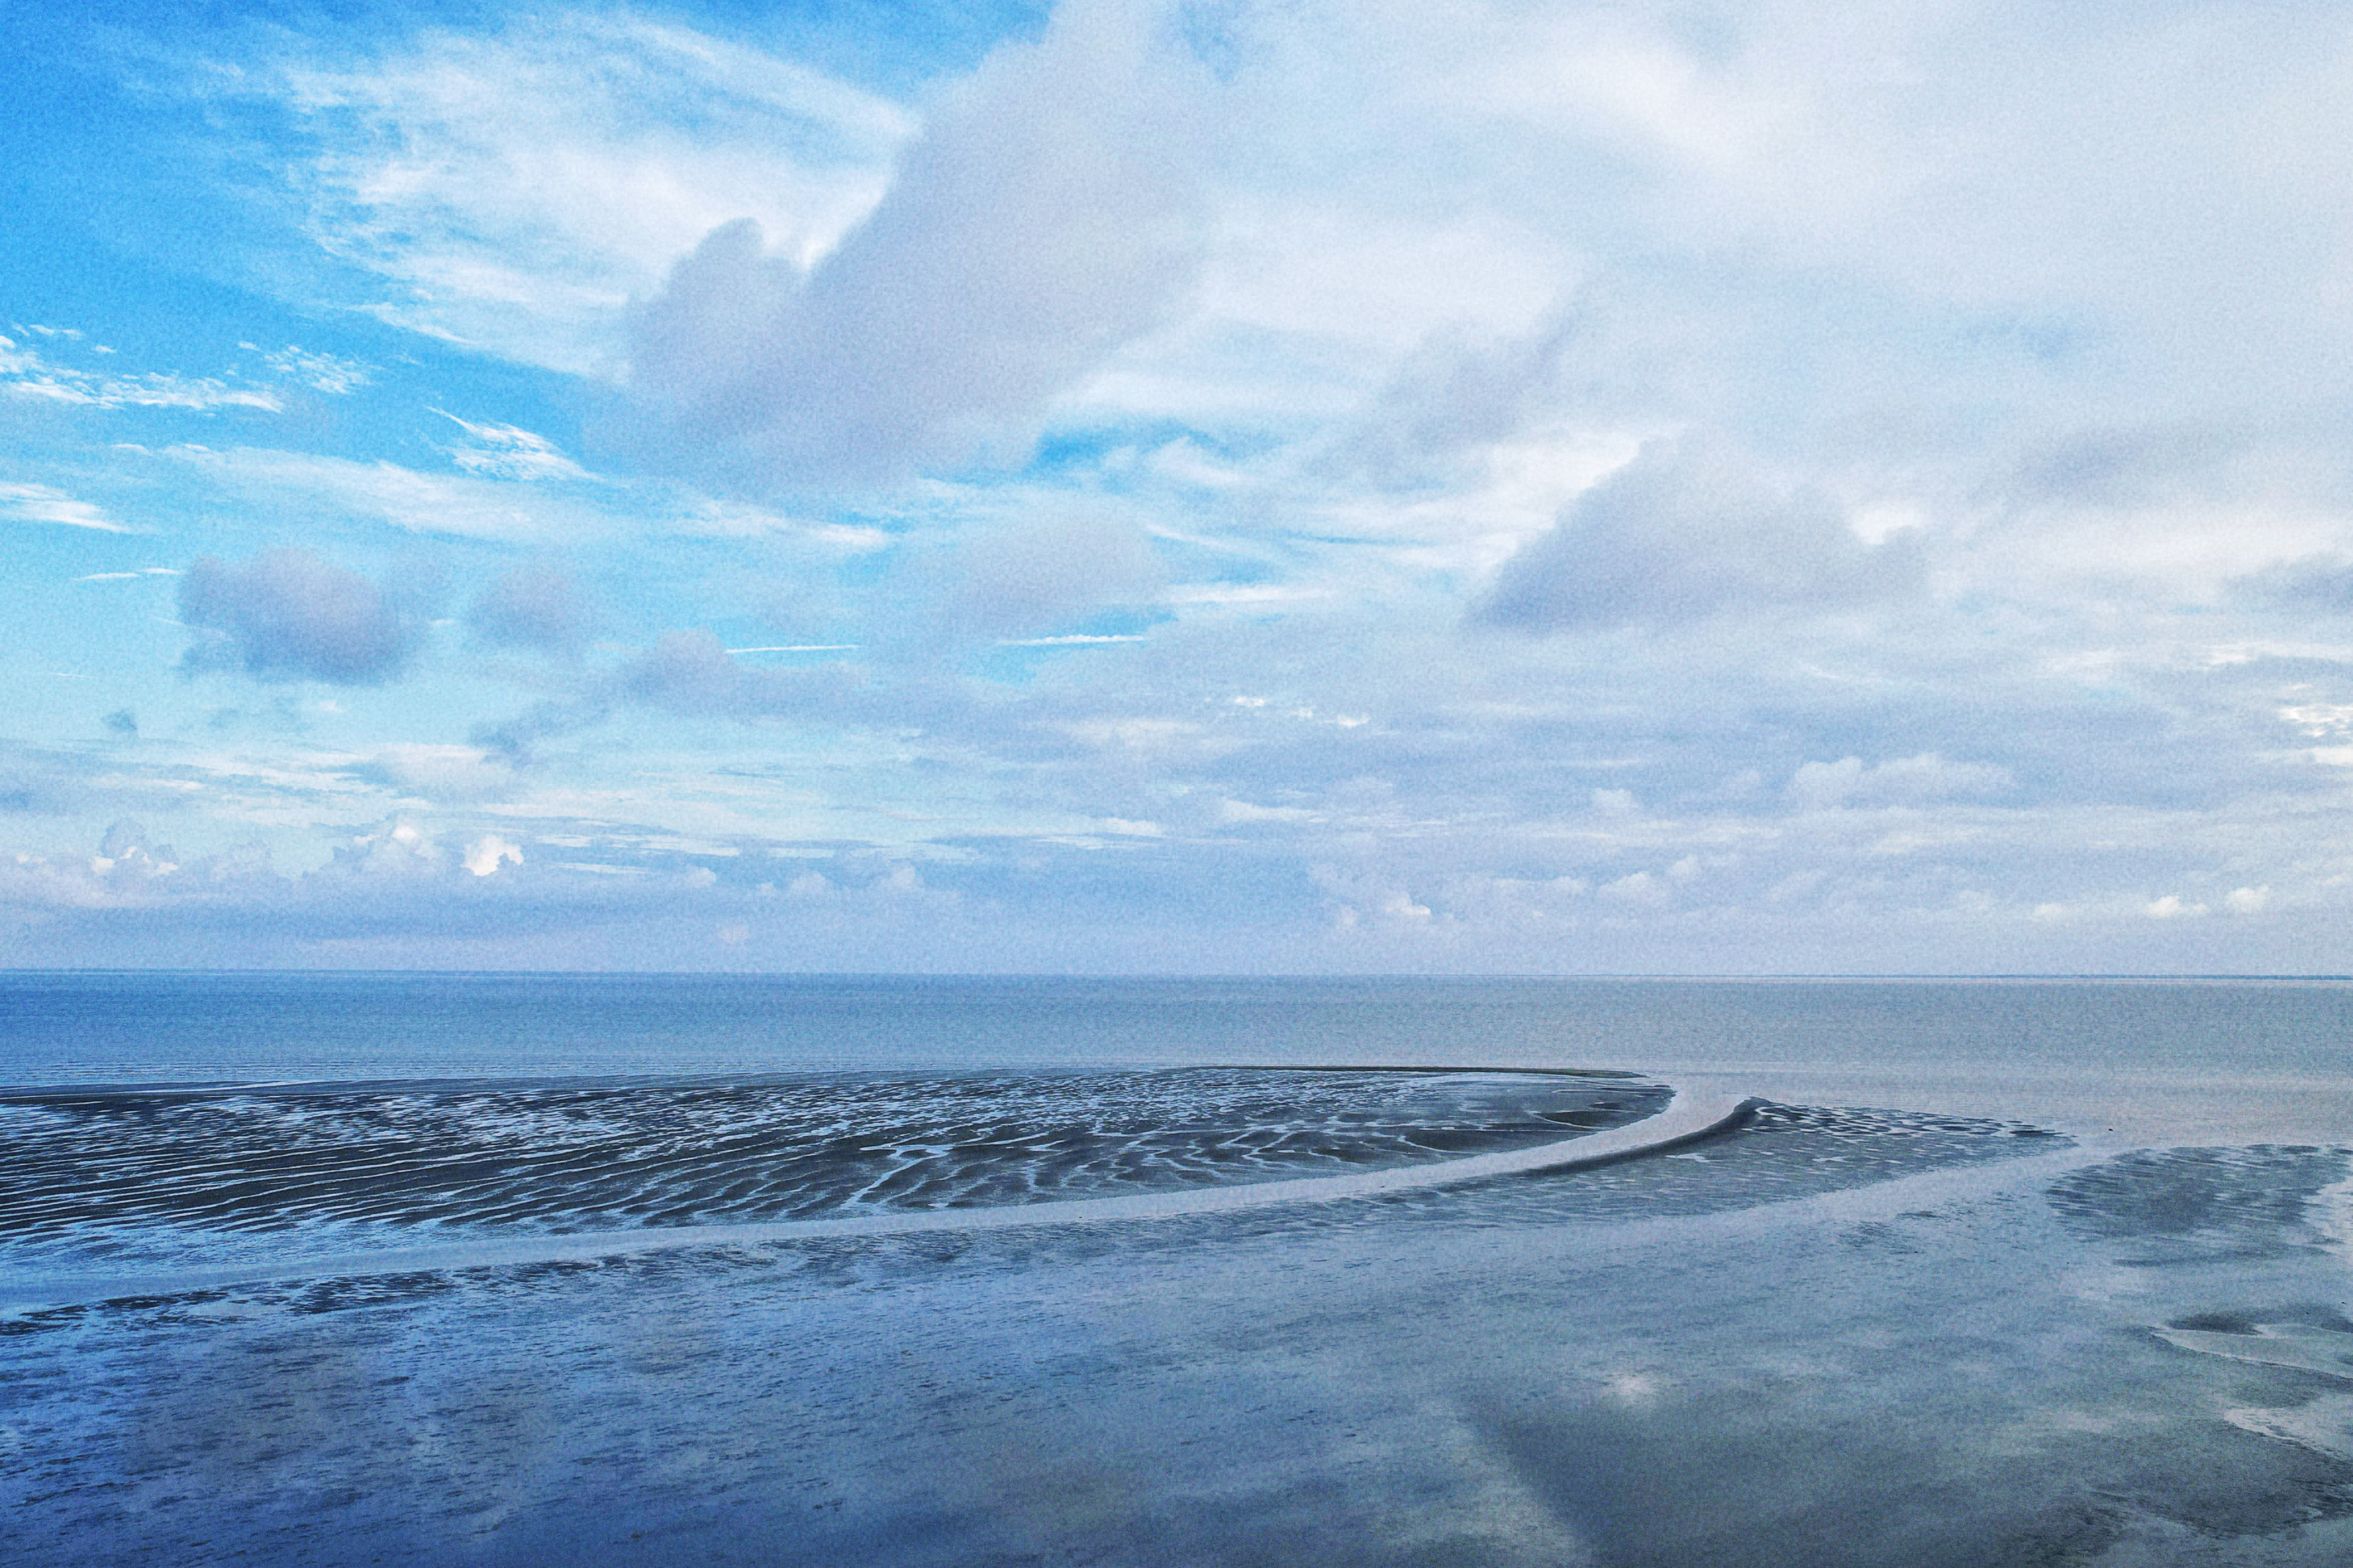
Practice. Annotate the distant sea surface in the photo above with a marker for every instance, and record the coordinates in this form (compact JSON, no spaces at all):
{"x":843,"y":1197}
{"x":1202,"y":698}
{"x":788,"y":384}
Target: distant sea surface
{"x":2137,"y":1059}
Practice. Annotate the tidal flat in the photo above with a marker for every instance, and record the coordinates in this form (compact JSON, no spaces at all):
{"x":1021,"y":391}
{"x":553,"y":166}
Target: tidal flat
{"x":1841,"y":1331}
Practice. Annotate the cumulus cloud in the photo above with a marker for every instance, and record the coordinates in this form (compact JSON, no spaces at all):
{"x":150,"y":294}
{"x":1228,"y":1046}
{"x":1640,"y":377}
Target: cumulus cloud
{"x":535,"y":607}
{"x":1358,"y":899}
{"x":1048,"y":213}
{"x":1902,"y":781}
{"x":286,"y":614}
{"x":1685,"y":531}
{"x":396,"y":848}
{"x":1639,"y":887}
{"x":484,"y":854}
{"x":125,"y":851}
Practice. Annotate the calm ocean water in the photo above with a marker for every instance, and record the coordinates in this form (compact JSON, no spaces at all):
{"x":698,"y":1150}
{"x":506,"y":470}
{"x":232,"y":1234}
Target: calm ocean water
{"x":2149,"y":1058}
{"x":312,"y":1269}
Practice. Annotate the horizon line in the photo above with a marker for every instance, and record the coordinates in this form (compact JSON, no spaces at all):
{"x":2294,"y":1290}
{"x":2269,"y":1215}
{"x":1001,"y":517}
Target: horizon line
{"x":1856,"y":977}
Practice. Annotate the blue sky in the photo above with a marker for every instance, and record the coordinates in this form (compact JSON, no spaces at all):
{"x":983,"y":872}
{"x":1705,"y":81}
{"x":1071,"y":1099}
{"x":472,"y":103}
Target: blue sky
{"x":1219,"y":487}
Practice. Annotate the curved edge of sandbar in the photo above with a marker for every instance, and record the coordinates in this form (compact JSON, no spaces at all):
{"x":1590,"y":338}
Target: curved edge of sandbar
{"x":1687,"y":1119}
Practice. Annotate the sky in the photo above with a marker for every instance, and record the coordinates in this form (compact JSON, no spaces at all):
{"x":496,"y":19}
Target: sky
{"x":1234,"y":487}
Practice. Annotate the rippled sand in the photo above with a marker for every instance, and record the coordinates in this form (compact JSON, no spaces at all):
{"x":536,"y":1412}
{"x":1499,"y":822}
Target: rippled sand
{"x":171,"y":1175}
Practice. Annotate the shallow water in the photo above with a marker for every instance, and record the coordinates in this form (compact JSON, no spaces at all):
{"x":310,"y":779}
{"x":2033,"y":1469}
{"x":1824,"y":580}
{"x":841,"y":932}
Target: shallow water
{"x":1852,"y":1330}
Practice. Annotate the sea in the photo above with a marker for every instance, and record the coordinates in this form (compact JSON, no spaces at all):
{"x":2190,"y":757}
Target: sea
{"x":632,"y":1270}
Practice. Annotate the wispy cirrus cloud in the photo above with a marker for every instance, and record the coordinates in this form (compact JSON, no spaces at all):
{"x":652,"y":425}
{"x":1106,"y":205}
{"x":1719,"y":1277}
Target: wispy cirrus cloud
{"x":24,"y":372}
{"x":510,"y":452}
{"x":517,"y":188}
{"x":44,"y":503}
{"x":289,"y":482}
{"x":325,"y":373}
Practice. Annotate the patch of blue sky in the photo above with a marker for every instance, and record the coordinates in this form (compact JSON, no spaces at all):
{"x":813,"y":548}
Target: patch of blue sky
{"x":1107,"y":452}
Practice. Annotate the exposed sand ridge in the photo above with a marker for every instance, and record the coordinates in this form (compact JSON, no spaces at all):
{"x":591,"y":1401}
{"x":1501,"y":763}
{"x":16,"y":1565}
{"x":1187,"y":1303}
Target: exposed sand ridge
{"x":1687,"y":1118}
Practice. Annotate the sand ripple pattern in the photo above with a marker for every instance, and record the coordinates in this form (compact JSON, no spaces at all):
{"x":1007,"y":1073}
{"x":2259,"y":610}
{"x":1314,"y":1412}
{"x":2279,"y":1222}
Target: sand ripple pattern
{"x":94,"y":1169}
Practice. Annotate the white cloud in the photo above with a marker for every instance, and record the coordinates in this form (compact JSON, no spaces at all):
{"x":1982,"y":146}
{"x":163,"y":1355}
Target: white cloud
{"x":1237,"y":811}
{"x":535,"y":607}
{"x":442,"y":771}
{"x":484,"y":855}
{"x":1639,"y":888}
{"x":1048,"y":213}
{"x":1400,"y":906}
{"x":397,"y":848}
{"x":465,"y":505}
{"x":325,"y":373}
{"x":40,"y":503}
{"x":1383,"y":282}
{"x":2015,"y":587}
{"x":2321,"y":719}
{"x":26,"y":374}
{"x":509,"y":452}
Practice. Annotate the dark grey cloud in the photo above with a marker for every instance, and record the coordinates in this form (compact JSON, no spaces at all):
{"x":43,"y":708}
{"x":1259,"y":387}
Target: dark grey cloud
{"x":515,"y":738}
{"x":126,"y":844}
{"x":1687,"y":532}
{"x":2321,"y":585}
{"x":690,"y":673}
{"x":44,"y":782}
{"x":1049,"y":213}
{"x":535,"y":607}
{"x":286,"y":614}
{"x":2130,"y":466}
{"x":1045,"y":572}
{"x":1453,"y":395}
